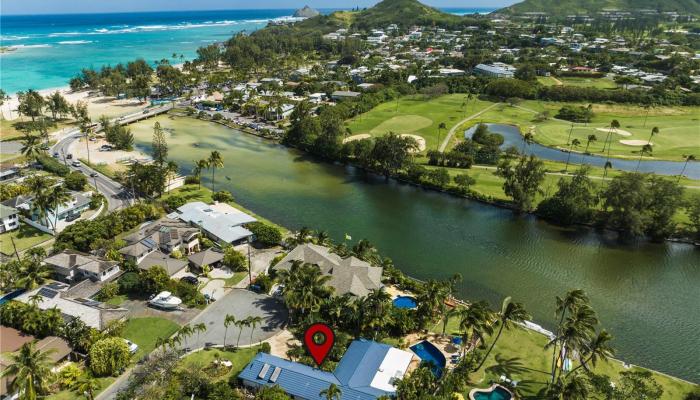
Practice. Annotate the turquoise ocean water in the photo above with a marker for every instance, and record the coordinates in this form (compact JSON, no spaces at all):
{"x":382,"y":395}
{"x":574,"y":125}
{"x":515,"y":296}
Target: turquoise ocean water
{"x":50,"y":49}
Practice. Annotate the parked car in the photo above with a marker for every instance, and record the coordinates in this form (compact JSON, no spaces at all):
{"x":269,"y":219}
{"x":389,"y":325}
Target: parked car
{"x":72,"y":217}
{"x":76,"y":164}
{"x":190,"y":279}
{"x":93,"y":174}
{"x":55,"y":154}
{"x":133,"y":347}
{"x":69,"y":156}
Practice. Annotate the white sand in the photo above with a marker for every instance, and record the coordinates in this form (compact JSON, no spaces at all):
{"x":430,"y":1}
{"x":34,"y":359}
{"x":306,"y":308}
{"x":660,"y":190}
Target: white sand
{"x":356,"y":137}
{"x":97,"y":105}
{"x":635,"y":142}
{"x":618,"y":131}
{"x":418,"y":139}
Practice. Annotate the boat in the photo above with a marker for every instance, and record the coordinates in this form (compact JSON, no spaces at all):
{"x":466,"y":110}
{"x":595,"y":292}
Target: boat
{"x":165,"y":300}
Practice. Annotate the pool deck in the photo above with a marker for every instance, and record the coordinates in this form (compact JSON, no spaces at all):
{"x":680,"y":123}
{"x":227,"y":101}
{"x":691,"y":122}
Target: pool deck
{"x":442,"y":343}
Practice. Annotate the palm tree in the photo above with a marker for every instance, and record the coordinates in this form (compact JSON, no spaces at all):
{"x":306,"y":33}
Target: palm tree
{"x":87,"y":385}
{"x":34,"y":274}
{"x":240,"y":324}
{"x":688,"y":158}
{"x":228,"y":320}
{"x":614,"y":125}
{"x":646,"y":149}
{"x":31,"y":146}
{"x":607,"y":166}
{"x":576,"y":332}
{"x":527,"y":140}
{"x":568,"y":139}
{"x":475,"y":318}
{"x":322,"y":238}
{"x":510,"y":313}
{"x":332,"y":393}
{"x":598,"y":349}
{"x":30,"y":369}
{"x":577,"y":388}
{"x":200,"y":166}
{"x":253,"y":321}
{"x":199,"y":328}
{"x":215,"y":161}
{"x":185,"y":332}
{"x":565,"y":305}
{"x":591,"y":138}
{"x":574,"y":143}
{"x":57,"y":196}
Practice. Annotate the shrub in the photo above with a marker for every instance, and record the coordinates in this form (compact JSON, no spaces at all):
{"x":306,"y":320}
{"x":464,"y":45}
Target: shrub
{"x":191,"y":180}
{"x":265,"y":347}
{"x":175,"y":201}
{"x":108,"y":291}
{"x":265,"y":282}
{"x":75,"y":181}
{"x":96,"y":200}
{"x":109,"y":356}
{"x":51,"y":165}
{"x":222,"y":196}
{"x":154,"y":279}
{"x":217,"y":117}
{"x":234,"y":259}
{"x":265,"y":234}
{"x":130,"y":282}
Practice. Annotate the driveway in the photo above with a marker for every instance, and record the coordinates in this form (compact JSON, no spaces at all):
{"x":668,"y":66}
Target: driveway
{"x":241,"y":304}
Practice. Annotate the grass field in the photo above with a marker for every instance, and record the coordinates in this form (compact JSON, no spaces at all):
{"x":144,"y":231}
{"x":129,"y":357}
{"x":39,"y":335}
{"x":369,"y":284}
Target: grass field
{"x":72,"y":395}
{"x":239,"y":358}
{"x":25,"y":237}
{"x":521,"y":352}
{"x":11,"y":130}
{"x":416,"y":115}
{"x":679,"y":127}
{"x":145,"y":331}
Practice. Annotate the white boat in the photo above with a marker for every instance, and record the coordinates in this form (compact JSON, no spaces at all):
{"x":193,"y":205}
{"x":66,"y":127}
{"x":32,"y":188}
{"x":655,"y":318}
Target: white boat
{"x":165,"y":300}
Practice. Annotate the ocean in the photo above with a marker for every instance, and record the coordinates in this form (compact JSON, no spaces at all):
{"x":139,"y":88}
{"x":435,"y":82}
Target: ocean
{"x":47,"y":50}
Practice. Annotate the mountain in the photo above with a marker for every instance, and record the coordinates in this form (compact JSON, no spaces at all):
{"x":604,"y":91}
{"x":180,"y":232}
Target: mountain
{"x":404,"y":13}
{"x":567,"y":7}
{"x":306,"y":12}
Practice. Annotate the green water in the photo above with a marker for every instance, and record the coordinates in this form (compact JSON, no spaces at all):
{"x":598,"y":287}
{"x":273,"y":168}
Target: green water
{"x":646,"y":294}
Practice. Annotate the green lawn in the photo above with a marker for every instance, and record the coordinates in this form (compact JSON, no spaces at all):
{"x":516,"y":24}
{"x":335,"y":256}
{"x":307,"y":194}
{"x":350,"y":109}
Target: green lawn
{"x":11,"y":130}
{"x":521,"y":352}
{"x":145,"y":331}
{"x":237,"y":277}
{"x":239,"y":357}
{"x":117,"y":300}
{"x":416,"y":115}
{"x":24,"y":237}
{"x":598,"y":83}
{"x":72,"y":395}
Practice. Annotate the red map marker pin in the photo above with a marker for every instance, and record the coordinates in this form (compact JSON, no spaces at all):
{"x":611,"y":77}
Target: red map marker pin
{"x":319,"y":339}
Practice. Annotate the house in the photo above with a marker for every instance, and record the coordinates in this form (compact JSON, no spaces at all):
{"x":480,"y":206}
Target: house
{"x":11,"y":340}
{"x":499,"y":70}
{"x":348,"y":275}
{"x":344,"y":94}
{"x":93,"y":313}
{"x":9,"y":174}
{"x":208,"y":257}
{"x":9,"y":219}
{"x":62,"y":216}
{"x":73,"y":266}
{"x":368,"y":370}
{"x":219,"y":221}
{"x":153,"y":244}
{"x":450,"y":72}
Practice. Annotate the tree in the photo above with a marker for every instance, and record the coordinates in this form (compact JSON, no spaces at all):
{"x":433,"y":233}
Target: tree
{"x":305,"y":288}
{"x":159,"y":145}
{"x":614,"y":125}
{"x":215,"y":161}
{"x":440,"y":128}
{"x":474,"y":323}
{"x":591,"y":138}
{"x":637,"y":385}
{"x":522,"y":182}
{"x":565,"y":305}
{"x":200,"y":166}
{"x":109,"y":356}
{"x":253,"y":322}
{"x":665,"y":199}
{"x":392,"y":152}
{"x":30,"y":104}
{"x":573,"y":202}
{"x":154,"y":279}
{"x":687,"y":158}
{"x":29,"y":370}
{"x":228,"y":320}
{"x":511,"y":313}
{"x":57,"y":104}
{"x":464,"y":181}
{"x":597,"y":349}
{"x":33,"y":272}
{"x":332,"y":393}
{"x":234,"y":260}
{"x":266,"y":234}
{"x":55,"y":197}
{"x":75,"y":181}
{"x":87,"y":385}
{"x":574,"y":143}
{"x":31,"y":146}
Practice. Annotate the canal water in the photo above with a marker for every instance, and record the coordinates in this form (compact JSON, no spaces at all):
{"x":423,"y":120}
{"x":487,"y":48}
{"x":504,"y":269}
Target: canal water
{"x":512,"y":137}
{"x":646,"y":294}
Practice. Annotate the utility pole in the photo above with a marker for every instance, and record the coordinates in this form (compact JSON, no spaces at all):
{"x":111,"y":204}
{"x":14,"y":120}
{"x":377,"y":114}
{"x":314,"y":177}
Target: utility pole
{"x":250,"y":266}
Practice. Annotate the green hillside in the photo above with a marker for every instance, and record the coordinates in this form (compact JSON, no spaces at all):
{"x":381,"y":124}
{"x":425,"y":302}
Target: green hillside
{"x":404,"y":13}
{"x":566,"y":7}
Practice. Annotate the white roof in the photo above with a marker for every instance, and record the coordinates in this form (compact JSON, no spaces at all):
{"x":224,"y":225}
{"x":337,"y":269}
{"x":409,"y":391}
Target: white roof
{"x":393,"y":367}
{"x":219,"y":220}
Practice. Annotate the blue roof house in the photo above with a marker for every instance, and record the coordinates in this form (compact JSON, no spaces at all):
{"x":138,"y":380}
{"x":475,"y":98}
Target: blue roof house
{"x":367,"y":371}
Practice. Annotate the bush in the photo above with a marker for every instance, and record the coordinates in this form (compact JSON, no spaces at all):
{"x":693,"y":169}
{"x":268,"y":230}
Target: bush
{"x":51,"y":165}
{"x":96,"y":200}
{"x":154,"y":280}
{"x":191,"y":180}
{"x":222,"y":196}
{"x":265,"y":347}
{"x":217,"y":117}
{"x":234,"y":259}
{"x":75,"y":181}
{"x":108,"y":291}
{"x":174,"y":202}
{"x":265,"y":283}
{"x":265,"y":234}
{"x":130,"y":282}
{"x":109,"y":356}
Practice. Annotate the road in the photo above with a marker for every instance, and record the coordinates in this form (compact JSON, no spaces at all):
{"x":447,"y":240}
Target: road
{"x":114,"y":192}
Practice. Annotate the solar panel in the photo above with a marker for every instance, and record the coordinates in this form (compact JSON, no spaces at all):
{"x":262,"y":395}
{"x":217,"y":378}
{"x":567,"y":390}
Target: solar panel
{"x":148,"y":242}
{"x":263,"y":371}
{"x":275,"y":374}
{"x":48,"y":293}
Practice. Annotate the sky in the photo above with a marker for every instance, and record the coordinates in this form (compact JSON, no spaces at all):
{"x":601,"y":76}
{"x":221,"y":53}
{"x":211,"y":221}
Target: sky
{"x":8,"y":7}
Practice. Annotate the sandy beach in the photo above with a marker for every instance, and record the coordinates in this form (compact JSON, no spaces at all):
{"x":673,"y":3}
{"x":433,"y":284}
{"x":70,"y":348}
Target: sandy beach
{"x":97,"y":105}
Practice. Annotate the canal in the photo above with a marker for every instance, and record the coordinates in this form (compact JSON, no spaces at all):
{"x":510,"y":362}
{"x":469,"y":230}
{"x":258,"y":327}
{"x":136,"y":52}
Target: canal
{"x":645,"y":294}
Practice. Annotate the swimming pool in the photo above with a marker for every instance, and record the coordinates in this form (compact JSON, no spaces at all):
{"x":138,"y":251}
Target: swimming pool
{"x":4,"y":299}
{"x":405,"y":302}
{"x":430,"y":354}
{"x":496,"y":392}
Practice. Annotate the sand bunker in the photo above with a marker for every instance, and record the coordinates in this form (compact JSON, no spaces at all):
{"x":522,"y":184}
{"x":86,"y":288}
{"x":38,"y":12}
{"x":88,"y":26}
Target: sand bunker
{"x":618,"y":131}
{"x":356,"y":137}
{"x":418,"y":139}
{"x":635,"y":142}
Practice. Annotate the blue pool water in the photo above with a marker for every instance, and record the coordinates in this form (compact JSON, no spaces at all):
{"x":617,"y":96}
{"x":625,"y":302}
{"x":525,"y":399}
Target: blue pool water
{"x":405,"y":302}
{"x":497,"y":394}
{"x":4,"y":299}
{"x":430,"y":354}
